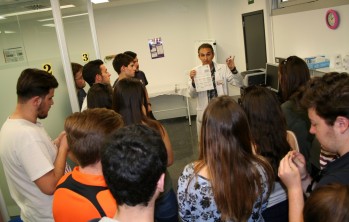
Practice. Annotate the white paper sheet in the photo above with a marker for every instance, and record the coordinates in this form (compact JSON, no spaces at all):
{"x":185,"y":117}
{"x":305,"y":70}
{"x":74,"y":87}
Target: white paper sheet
{"x":202,"y":79}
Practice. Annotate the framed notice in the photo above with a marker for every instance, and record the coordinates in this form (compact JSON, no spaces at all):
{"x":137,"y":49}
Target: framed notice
{"x":156,"y":48}
{"x":14,"y":54}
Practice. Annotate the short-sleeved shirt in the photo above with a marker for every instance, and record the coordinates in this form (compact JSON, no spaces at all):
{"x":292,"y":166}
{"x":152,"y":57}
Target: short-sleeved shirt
{"x":27,"y":153}
{"x":107,"y":219}
{"x":196,"y":200}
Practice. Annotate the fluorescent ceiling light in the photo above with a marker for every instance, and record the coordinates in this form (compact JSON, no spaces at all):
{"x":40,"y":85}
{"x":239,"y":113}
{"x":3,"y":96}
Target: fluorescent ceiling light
{"x":7,"y":32}
{"x":49,"y":25}
{"x":99,"y":1}
{"x":34,"y":11}
{"x":68,"y":16}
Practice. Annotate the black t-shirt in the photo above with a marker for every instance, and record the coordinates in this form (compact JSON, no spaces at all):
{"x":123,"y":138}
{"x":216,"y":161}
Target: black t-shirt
{"x":141,"y":76}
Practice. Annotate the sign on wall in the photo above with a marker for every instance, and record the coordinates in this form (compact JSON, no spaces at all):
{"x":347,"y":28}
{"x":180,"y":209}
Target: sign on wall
{"x":47,"y":67}
{"x":156,"y":48}
{"x":85,"y":57}
{"x":14,"y":54}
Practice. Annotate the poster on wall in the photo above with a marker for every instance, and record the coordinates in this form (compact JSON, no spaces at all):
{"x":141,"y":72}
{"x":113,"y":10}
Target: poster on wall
{"x":14,"y":54}
{"x":156,"y":48}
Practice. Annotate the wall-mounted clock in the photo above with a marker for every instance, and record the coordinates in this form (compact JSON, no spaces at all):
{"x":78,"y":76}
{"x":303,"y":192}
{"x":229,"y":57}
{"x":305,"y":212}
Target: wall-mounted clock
{"x":332,"y":19}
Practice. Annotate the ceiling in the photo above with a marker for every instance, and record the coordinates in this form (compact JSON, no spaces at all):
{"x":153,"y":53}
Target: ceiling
{"x":12,"y":6}
{"x":17,"y":6}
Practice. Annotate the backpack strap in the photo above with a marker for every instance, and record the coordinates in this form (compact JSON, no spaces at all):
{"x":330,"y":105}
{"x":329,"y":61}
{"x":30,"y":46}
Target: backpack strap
{"x":87,"y":191}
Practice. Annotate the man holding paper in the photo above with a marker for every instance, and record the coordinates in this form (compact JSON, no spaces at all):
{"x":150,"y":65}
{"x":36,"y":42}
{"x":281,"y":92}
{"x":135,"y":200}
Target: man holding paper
{"x":210,"y":80}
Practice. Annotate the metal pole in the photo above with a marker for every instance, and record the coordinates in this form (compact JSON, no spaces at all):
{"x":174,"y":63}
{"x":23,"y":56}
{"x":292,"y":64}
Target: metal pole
{"x":57,"y":16}
{"x":93,"y":29}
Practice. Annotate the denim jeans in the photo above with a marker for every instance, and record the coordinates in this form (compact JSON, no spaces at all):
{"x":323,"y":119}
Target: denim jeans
{"x":166,"y":207}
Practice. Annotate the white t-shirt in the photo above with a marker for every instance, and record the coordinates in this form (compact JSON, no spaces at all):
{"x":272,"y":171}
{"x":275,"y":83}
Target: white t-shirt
{"x":27,"y":153}
{"x":84,"y":105}
{"x":107,"y":219}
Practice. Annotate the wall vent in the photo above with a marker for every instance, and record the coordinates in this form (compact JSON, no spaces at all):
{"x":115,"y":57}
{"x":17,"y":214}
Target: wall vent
{"x":35,"y":7}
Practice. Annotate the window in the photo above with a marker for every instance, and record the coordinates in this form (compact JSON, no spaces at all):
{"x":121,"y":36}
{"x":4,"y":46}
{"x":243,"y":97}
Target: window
{"x":280,"y":7}
{"x":287,"y":3}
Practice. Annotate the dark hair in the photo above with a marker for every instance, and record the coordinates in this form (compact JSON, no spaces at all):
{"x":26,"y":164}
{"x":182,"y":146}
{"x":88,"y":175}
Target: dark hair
{"x":90,"y":70}
{"x":133,"y":160}
{"x":76,"y":67}
{"x":226,"y":150}
{"x":205,"y":46}
{"x":294,"y":74}
{"x":121,"y":60}
{"x":100,"y":96}
{"x":87,"y":131}
{"x":129,"y":99}
{"x":132,"y":54}
{"x":328,"y":203}
{"x":268,"y":124}
{"x":329,"y":96}
{"x":34,"y":82}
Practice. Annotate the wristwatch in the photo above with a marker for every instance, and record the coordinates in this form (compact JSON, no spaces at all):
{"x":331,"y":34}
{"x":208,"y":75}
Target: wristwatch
{"x":234,"y":71}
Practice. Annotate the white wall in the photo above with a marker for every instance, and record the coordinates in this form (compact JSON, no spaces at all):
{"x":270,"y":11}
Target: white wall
{"x":226,"y":27}
{"x":178,"y":23}
{"x":305,"y":33}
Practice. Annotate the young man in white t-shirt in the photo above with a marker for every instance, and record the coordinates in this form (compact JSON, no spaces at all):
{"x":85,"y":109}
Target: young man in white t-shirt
{"x":32,"y":162}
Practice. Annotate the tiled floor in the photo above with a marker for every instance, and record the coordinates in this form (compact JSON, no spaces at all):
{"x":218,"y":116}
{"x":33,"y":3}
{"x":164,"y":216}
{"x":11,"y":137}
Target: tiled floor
{"x":184,"y":144}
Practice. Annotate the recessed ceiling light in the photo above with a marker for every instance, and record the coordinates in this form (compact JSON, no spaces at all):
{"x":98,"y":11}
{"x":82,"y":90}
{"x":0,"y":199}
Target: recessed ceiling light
{"x":99,"y":1}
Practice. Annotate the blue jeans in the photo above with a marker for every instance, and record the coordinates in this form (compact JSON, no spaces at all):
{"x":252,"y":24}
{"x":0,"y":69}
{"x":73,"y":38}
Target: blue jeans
{"x":166,"y":207}
{"x":276,"y":213}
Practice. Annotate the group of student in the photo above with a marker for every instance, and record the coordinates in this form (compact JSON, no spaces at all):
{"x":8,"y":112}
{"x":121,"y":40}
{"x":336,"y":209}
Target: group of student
{"x":129,"y":98}
{"x":35,"y":166}
{"x":253,"y":155}
{"x":257,"y":160}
